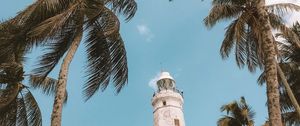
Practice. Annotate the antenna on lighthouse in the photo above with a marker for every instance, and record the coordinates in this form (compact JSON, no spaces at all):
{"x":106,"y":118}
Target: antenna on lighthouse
{"x":161,"y":67}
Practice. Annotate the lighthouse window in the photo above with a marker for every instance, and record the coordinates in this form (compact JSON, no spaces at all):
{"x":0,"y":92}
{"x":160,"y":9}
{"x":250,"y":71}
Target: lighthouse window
{"x":176,"y":121}
{"x":164,"y":103}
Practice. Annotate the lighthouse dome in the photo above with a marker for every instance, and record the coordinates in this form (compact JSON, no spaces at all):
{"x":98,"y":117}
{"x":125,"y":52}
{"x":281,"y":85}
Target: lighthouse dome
{"x":165,"y":75}
{"x":165,"y":82}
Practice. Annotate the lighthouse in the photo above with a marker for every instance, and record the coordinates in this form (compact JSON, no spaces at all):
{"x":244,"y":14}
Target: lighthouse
{"x":167,"y":102}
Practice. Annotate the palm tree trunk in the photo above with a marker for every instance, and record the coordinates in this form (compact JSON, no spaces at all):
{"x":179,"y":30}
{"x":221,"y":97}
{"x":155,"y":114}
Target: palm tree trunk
{"x":289,"y":90}
{"x":270,"y":67}
{"x":62,"y":81}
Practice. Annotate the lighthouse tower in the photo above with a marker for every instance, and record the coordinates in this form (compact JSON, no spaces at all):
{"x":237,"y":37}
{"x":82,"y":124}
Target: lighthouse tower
{"x":167,"y":103}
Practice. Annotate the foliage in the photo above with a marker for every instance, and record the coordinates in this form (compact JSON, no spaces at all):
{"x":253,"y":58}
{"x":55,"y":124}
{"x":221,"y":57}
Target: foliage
{"x":17,"y":104}
{"x":289,"y":62}
{"x":56,"y":24}
{"x":237,"y":114}
{"x":243,"y":33}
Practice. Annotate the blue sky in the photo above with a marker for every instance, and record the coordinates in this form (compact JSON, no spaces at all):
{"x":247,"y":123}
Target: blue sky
{"x":163,"y":34}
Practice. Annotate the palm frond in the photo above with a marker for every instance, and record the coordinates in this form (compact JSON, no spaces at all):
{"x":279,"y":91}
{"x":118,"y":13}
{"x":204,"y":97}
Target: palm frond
{"x":8,"y":115}
{"x":275,"y":20}
{"x":236,"y":33}
{"x":253,"y":58}
{"x":229,"y":107}
{"x":292,"y":74}
{"x":222,"y":12}
{"x":261,"y":79}
{"x":295,"y":55}
{"x":228,"y":121}
{"x":285,"y":102}
{"x":34,"y":116}
{"x":233,"y":109}
{"x":21,"y":113}
{"x":238,"y":112}
{"x":39,"y":11}
{"x":283,"y":8}
{"x":291,"y":119}
{"x":46,"y":84}
{"x":50,"y":27}
{"x":99,"y":62}
{"x":12,"y":42}
{"x":8,"y":95}
{"x":229,"y":40}
{"x":36,"y":13}
{"x":105,"y":20}
{"x":241,"y":45}
{"x":287,"y":33}
{"x":266,"y":123}
{"x":55,"y":51}
{"x":125,"y":7}
{"x":106,"y":54}
{"x":231,"y":2}
{"x":241,"y":37}
{"x":119,"y":61}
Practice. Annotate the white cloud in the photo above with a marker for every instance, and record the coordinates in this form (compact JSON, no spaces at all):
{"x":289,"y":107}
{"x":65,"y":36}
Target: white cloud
{"x":145,"y":31}
{"x":293,"y":16}
{"x":152,"y":82}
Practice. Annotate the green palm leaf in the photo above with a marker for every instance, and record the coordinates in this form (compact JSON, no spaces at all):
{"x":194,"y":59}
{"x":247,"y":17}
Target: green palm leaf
{"x":282,"y":8}
{"x":222,"y":12}
{"x":125,"y":7}
{"x":237,"y":114}
{"x":33,"y":111}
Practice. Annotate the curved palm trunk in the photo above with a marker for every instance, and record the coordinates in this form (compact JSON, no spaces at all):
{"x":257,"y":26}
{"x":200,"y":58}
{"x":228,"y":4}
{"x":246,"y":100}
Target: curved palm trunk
{"x":270,"y":67}
{"x":62,"y":81}
{"x":289,"y":90}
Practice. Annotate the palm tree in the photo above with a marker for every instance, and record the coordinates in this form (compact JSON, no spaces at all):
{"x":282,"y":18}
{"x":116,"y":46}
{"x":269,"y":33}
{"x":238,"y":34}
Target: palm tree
{"x":237,"y":114}
{"x":17,"y":104}
{"x":250,"y":34}
{"x":292,"y":73}
{"x":289,"y":63}
{"x":62,"y":34}
{"x":290,"y":115}
{"x":287,"y":66}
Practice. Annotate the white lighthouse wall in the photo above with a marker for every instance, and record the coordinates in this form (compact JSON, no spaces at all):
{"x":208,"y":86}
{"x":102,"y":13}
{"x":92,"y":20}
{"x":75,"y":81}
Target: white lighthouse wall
{"x":160,"y":118}
{"x":166,"y":114}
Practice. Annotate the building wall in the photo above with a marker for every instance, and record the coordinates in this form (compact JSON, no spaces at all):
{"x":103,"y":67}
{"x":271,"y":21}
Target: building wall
{"x":168,"y":107}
